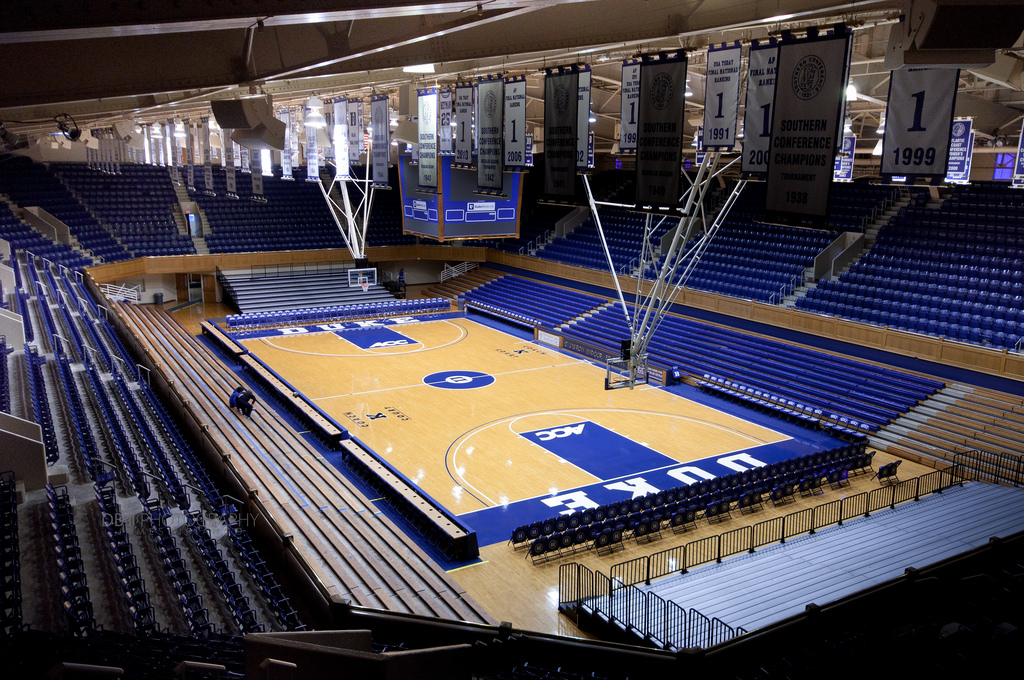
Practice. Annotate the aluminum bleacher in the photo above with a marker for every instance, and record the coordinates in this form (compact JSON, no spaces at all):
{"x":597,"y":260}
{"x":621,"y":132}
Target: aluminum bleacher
{"x":297,"y":290}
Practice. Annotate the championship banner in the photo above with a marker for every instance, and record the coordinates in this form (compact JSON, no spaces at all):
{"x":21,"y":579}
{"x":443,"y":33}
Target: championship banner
{"x":698,"y":142}
{"x":229,"y":163}
{"x":356,"y":143}
{"x":293,"y":115}
{"x":583,"y":118}
{"x":427,"y":163}
{"x":329,"y":132}
{"x":809,"y":96}
{"x":629,"y":100}
{"x":843,"y":169}
{"x":1018,"y":163}
{"x":204,"y":123}
{"x":961,"y":146}
{"x":1017,"y":182}
{"x":722,"y":96}
{"x":173,"y":152}
{"x":757,"y":113}
{"x":380,"y":140}
{"x":190,"y":169}
{"x":590,"y":149}
{"x":561,"y":87}
{"x":515,"y":121}
{"x":286,"y":153}
{"x":476,"y":117}
{"x":463,"y":125}
{"x":340,"y":133}
{"x":529,"y":151}
{"x":312,"y":155}
{"x":243,"y":154}
{"x":489,"y":157}
{"x":256,"y":174}
{"x":918,"y":122}
{"x":659,"y":143}
{"x":445,"y":146}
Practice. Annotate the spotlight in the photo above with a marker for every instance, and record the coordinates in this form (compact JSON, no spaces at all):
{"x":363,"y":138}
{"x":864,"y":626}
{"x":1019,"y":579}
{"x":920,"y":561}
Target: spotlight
{"x":881,"y":124}
{"x":689,"y":92}
{"x":314,"y":118}
{"x":179,"y":130}
{"x":848,"y":125}
{"x":67,"y":125}
{"x":593,"y":118}
{"x":851,"y":93}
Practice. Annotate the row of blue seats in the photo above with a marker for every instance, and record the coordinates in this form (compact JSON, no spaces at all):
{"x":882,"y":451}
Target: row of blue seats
{"x":174,"y":565}
{"x":336,"y":314}
{"x":10,"y":557}
{"x":41,"y":403}
{"x":535,"y":299}
{"x":134,"y":586}
{"x":83,"y":432}
{"x":5,"y":376}
{"x":118,"y":441}
{"x":77,"y":604}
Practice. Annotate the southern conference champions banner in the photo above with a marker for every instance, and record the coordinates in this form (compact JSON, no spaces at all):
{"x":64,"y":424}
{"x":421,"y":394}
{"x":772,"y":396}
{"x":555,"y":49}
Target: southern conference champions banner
{"x":355,"y":130}
{"x":515,"y":121}
{"x":380,"y":142}
{"x":630,"y":98}
{"x":660,"y":140}
{"x":561,"y":90}
{"x":444,"y":123}
{"x":757,"y":114}
{"x":490,"y":111}
{"x":341,"y":137}
{"x":427,"y":136}
{"x":918,"y":119}
{"x":809,"y":96}
{"x":583,"y":118}
{"x":722,"y":96}
{"x":961,"y":145}
{"x":463,"y":124}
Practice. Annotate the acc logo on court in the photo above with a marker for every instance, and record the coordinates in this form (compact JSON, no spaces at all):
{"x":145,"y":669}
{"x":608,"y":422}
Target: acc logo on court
{"x":459,"y":380}
{"x":559,"y":432}
{"x":389,"y":343}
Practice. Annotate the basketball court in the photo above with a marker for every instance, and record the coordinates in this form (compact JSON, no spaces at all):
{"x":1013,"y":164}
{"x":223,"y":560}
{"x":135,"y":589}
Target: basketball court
{"x":503,"y":431}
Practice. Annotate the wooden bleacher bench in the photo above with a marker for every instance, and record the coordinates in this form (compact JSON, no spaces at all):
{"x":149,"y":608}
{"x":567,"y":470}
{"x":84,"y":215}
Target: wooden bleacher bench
{"x":454,"y":539}
{"x":222,"y":340}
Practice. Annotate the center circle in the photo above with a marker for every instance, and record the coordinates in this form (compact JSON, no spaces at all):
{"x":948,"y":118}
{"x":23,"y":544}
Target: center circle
{"x":458,"y":380}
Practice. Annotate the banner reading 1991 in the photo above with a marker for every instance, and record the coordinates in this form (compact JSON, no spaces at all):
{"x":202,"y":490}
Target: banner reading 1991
{"x":427,"y":148}
{"x":490,"y":109}
{"x":757,"y":114}
{"x":722,"y":96}
{"x":561,"y":87}
{"x":810,"y":90}
{"x":660,"y":138}
{"x":629,"y":98}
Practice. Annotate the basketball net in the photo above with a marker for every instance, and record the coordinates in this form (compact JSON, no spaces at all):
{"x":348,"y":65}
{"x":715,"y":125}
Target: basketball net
{"x":365,"y":285}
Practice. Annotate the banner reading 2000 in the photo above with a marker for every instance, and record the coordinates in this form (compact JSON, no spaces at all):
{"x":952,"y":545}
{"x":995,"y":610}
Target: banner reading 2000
{"x":809,"y":93}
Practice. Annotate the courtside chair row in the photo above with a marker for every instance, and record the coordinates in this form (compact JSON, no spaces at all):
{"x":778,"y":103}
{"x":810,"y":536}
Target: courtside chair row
{"x":341,"y":313}
{"x":604,"y":527}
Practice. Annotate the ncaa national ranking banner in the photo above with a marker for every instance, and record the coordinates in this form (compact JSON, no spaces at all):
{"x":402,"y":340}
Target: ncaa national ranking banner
{"x":356,"y":143}
{"x":722,"y":96}
{"x":490,"y":110}
{"x":515,"y":121}
{"x":659,"y":141}
{"x":918,"y":123}
{"x":629,"y":99}
{"x":380,"y":142}
{"x":757,"y":113}
{"x":426,"y":158}
{"x":561,"y":90}
{"x":463,"y":117}
{"x":810,"y":90}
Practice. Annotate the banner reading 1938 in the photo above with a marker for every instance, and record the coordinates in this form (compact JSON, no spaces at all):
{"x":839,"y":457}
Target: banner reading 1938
{"x":809,"y":95}
{"x":561,"y":87}
{"x":380,"y":152}
{"x":490,"y":111}
{"x":660,"y":138}
{"x":427,"y":148}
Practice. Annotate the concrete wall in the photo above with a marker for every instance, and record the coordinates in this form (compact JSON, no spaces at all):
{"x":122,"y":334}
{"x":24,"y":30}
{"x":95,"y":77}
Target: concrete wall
{"x":416,"y":271}
{"x":21,"y":450}
{"x":153,"y":284}
{"x":12,"y":327}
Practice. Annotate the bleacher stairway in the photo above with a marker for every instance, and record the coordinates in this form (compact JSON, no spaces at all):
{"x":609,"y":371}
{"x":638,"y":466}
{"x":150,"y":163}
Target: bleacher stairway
{"x":454,"y":287}
{"x":755,"y":590}
{"x":297,"y":290}
{"x":956,"y":419}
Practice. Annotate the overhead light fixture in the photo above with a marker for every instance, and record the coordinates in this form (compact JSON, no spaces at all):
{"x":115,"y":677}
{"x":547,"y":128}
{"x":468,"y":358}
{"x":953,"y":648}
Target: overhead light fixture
{"x":689,"y":92}
{"x":1000,"y":142}
{"x":851,"y":93}
{"x":314,"y":118}
{"x":67,"y":125}
{"x":179,"y":130}
{"x":155,"y":132}
{"x":593,"y":118}
{"x":848,"y":125}
{"x":877,"y":151}
{"x":418,"y":68}
{"x":881,"y":124}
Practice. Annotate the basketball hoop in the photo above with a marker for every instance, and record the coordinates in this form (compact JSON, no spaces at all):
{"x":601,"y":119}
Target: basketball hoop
{"x":365,"y":285}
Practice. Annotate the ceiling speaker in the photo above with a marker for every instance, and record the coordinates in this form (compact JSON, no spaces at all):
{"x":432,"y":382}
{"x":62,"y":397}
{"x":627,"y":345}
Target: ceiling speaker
{"x":269,"y":135}
{"x":242,"y":113}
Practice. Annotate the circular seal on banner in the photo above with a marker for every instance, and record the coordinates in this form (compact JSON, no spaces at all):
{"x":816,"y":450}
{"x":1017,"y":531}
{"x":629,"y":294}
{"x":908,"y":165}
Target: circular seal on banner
{"x":425,"y":116}
{"x":958,"y":129}
{"x":490,"y":104}
{"x":458,"y":380}
{"x":378,"y":118}
{"x":561,"y":99}
{"x":808,"y":77}
{"x":661,"y":91}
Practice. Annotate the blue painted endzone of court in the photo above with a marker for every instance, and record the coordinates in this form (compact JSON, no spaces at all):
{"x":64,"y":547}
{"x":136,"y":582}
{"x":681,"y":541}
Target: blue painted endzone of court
{"x":375,"y":338}
{"x":597,"y":450}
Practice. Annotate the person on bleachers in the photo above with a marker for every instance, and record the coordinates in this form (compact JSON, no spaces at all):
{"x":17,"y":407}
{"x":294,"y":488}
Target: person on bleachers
{"x":245,"y":402}
{"x":233,"y":399}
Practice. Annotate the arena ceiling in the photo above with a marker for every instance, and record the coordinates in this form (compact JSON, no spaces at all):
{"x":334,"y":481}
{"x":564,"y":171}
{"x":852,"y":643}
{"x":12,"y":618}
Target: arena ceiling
{"x":146,"y":61}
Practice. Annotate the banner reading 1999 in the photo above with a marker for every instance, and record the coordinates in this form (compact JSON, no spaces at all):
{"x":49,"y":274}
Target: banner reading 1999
{"x":918,"y":119}
{"x":630,"y":97}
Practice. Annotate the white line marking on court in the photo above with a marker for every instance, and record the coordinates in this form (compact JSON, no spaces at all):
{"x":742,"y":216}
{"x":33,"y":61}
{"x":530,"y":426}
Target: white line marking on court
{"x":462,"y":335}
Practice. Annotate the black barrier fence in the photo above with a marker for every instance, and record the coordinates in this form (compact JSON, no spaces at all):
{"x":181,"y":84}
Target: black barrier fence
{"x":672,"y":626}
{"x":996,"y":468}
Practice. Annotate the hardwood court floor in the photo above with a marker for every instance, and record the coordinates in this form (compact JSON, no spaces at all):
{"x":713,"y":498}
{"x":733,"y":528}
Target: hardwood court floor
{"x":461,"y":437}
